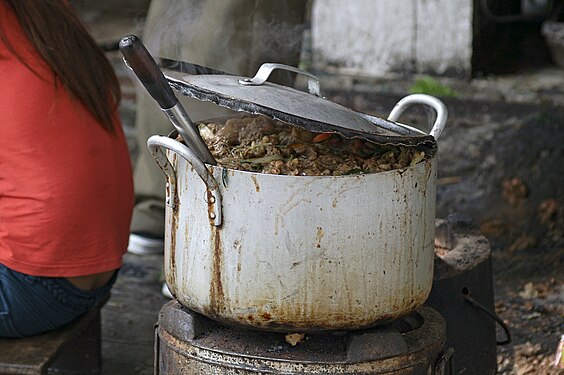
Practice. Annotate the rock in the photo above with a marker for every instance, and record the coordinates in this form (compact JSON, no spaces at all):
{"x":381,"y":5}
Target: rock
{"x":294,"y":338}
{"x":529,"y":291}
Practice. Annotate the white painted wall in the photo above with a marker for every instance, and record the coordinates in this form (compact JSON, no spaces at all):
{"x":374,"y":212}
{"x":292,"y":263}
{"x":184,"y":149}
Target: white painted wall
{"x":444,"y":35}
{"x":374,"y":37}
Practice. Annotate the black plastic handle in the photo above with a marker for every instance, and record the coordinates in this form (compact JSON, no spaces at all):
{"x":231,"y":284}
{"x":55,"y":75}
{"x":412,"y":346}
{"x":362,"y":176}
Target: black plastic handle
{"x":146,"y":69}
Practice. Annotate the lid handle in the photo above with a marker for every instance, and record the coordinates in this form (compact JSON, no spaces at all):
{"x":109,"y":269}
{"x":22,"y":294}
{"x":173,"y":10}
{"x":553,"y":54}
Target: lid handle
{"x":264,"y":72}
{"x":428,"y":100}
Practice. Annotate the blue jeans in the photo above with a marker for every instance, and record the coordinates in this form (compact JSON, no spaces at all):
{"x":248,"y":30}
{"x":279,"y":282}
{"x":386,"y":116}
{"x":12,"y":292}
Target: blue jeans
{"x":30,"y":305}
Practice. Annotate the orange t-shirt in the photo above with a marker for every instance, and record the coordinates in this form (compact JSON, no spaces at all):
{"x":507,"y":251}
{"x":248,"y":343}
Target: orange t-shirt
{"x":66,"y":190}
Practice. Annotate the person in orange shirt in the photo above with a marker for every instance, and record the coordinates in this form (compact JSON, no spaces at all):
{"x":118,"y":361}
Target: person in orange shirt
{"x":66,"y":190}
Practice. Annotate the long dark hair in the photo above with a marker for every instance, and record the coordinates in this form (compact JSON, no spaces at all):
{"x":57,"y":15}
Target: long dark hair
{"x":60,"y":38}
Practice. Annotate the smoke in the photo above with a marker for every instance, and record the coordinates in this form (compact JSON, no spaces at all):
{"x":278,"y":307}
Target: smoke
{"x":168,"y":25}
{"x":236,"y":36}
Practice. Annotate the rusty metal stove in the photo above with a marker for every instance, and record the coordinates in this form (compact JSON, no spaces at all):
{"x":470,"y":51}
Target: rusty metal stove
{"x":189,"y":343}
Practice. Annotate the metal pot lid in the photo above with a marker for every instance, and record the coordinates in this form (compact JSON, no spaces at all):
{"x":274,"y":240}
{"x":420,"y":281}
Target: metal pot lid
{"x":307,"y":110}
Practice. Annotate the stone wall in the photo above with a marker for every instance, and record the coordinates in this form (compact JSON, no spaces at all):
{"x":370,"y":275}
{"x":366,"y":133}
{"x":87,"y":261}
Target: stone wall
{"x":375,"y":37}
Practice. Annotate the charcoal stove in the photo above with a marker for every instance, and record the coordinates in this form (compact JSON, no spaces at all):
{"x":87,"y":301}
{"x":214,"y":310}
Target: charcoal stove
{"x":189,"y":343}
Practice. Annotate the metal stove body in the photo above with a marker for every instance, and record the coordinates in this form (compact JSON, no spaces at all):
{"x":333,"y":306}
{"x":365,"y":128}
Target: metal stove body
{"x":189,"y":343}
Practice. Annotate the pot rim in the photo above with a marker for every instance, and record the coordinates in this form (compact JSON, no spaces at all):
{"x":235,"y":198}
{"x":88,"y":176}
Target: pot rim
{"x":174,"y":134}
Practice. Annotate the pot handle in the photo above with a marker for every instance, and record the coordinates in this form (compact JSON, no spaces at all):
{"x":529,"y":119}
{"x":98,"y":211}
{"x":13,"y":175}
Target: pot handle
{"x":428,"y":100}
{"x":156,"y":144}
{"x":264,"y":72}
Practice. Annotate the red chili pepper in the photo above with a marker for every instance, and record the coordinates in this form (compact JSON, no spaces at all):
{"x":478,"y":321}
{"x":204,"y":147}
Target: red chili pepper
{"x":321,"y":137}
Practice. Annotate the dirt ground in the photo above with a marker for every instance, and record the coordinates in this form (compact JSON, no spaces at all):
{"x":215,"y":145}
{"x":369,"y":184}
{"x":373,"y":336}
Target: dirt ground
{"x":514,"y":194}
{"x":525,"y":227}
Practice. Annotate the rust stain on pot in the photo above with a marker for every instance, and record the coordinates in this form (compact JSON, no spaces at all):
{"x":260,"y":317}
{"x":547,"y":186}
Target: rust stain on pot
{"x":266,"y":316}
{"x":297,"y":317}
{"x":282,"y":323}
{"x":237,"y":246}
{"x":257,"y":186}
{"x":217,"y":295}
{"x":257,"y":320}
{"x":318,"y":237}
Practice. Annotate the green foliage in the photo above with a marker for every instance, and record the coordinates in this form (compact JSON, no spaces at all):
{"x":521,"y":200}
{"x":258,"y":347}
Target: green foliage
{"x":429,"y":85}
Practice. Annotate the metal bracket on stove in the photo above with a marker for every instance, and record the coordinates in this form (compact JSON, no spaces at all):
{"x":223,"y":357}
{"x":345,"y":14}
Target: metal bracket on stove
{"x":156,"y":351}
{"x":445,"y":362}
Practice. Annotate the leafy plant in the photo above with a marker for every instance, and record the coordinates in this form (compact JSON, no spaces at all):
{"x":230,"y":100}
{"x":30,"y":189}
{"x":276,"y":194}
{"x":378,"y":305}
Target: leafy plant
{"x":429,"y":85}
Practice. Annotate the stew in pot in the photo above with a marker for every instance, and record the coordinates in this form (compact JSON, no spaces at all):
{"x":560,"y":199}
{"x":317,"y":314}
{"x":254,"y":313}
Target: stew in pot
{"x":263,"y":145}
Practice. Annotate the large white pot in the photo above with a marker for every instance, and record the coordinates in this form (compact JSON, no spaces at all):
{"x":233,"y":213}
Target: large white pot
{"x":298,"y":253}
